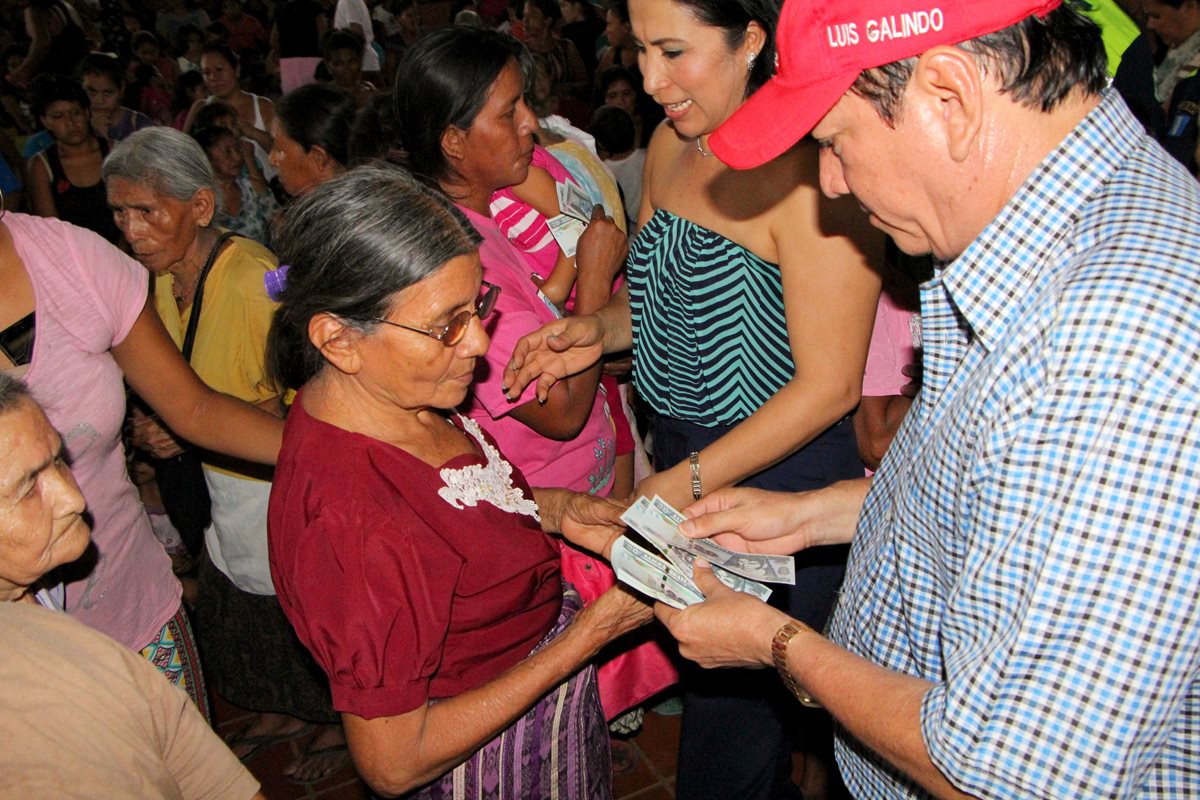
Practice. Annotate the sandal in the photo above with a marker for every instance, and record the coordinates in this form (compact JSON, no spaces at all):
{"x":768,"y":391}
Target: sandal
{"x":262,"y":741}
{"x":343,"y":752}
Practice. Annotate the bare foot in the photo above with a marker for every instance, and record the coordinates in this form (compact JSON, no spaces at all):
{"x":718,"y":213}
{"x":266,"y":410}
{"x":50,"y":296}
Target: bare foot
{"x":325,"y":754}
{"x":264,"y":731}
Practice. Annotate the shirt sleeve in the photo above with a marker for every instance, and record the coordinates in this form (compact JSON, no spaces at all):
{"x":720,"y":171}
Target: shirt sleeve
{"x":371,"y":600}
{"x":201,"y":764}
{"x":1072,"y":640}
{"x":513,"y":318}
{"x":111,"y":284}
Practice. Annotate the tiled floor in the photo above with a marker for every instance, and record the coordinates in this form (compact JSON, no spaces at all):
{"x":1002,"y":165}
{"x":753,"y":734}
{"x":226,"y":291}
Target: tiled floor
{"x":652,"y":778}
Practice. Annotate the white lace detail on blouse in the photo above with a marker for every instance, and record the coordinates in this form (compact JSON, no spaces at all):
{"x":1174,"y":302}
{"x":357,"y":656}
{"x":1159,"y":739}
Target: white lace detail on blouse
{"x":490,"y":482}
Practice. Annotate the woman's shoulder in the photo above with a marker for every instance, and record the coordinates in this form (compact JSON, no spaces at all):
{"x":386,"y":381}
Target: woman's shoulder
{"x":243,"y":264}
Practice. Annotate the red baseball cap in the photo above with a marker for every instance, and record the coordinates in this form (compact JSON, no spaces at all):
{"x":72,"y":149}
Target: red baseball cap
{"x":824,"y":45}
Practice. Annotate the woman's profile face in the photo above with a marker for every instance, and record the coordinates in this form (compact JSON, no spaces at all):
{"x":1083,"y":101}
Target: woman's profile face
{"x":67,"y":122}
{"x":219,"y":75}
{"x":416,"y":371}
{"x":688,"y":67}
{"x":498,"y":147}
{"x":161,"y":230}
{"x":616,"y":30}
{"x":41,"y":508}
{"x":298,"y":169}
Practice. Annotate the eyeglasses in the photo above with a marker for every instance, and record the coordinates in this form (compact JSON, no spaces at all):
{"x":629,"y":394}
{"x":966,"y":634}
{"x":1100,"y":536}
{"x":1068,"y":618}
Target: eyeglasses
{"x":452,"y":334}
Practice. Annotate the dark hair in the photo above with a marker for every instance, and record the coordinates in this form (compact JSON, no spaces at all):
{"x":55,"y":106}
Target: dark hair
{"x":610,"y":75}
{"x":102,"y":64}
{"x":318,"y":115}
{"x":620,"y":8}
{"x":188,"y":81}
{"x":732,"y":16}
{"x":374,"y":134}
{"x":208,"y":137}
{"x":549,"y":8}
{"x":208,"y":114}
{"x":613,"y":129}
{"x":49,"y":88}
{"x":218,"y":31}
{"x":183,"y":34}
{"x":143,"y":37}
{"x":342,"y":39}
{"x":223,"y":50}
{"x":392,"y":232}
{"x":587,"y":7}
{"x":1039,"y":61}
{"x":443,"y":80}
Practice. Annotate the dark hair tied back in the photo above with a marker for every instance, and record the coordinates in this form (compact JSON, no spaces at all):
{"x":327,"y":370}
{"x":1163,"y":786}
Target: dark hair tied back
{"x":443,"y":80}
{"x":733,"y":16}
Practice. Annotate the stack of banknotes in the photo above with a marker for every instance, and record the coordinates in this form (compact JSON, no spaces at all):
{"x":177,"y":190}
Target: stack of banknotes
{"x":667,"y":576}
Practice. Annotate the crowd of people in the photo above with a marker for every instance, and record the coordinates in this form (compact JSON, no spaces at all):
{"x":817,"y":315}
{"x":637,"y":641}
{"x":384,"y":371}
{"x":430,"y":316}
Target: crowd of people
{"x":332,"y":351}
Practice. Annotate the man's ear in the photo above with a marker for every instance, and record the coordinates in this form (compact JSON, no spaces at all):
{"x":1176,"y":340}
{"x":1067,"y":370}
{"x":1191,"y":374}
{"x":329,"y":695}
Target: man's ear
{"x":337,"y":341}
{"x":950,"y":76}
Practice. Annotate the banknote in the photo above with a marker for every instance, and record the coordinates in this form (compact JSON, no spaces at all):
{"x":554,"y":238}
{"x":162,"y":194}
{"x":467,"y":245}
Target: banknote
{"x":656,"y":519}
{"x":684,"y":561}
{"x":566,"y":230}
{"x":647,"y":573}
{"x":573,"y":202}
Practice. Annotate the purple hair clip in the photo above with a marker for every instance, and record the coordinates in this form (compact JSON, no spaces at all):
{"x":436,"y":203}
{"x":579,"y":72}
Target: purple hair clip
{"x":276,"y":281}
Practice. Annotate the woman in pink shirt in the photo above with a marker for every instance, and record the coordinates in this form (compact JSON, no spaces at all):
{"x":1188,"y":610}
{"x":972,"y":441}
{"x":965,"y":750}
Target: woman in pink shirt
{"x":74,"y":324}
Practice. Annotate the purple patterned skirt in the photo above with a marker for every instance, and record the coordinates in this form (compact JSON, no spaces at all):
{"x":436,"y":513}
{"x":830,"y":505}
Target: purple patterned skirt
{"x":558,"y":749}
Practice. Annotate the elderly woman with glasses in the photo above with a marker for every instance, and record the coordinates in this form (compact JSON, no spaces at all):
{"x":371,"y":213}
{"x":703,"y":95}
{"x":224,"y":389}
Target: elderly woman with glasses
{"x":412,"y":558}
{"x":163,"y":193}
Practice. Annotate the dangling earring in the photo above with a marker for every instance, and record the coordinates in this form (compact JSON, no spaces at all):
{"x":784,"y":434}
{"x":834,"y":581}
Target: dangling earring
{"x":3,"y":210}
{"x":750,"y":61}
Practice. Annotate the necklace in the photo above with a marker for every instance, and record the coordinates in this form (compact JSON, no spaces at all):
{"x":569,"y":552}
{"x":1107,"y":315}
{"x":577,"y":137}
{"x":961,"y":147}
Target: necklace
{"x":700,"y":148}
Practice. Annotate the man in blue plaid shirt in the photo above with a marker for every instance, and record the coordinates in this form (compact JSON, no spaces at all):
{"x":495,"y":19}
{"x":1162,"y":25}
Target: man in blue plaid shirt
{"x":1019,"y":616}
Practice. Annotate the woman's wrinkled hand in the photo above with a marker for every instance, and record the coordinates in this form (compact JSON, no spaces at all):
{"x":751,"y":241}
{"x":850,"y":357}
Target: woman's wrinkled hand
{"x":616,"y":612}
{"x":592,"y":523}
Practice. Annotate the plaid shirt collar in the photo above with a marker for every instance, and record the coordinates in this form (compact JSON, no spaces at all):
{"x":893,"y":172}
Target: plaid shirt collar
{"x":985,"y":281}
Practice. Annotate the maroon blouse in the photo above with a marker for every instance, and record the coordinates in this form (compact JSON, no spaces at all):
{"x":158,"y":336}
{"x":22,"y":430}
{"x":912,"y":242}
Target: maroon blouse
{"x":406,"y":582}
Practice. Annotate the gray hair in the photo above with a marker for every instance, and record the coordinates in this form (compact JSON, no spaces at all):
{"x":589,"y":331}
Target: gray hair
{"x":164,"y":159}
{"x":12,"y":393}
{"x":351,"y":245}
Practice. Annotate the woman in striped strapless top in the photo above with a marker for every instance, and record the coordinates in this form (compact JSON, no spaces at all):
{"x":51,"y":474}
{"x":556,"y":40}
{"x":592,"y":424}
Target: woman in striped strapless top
{"x":749,"y":308}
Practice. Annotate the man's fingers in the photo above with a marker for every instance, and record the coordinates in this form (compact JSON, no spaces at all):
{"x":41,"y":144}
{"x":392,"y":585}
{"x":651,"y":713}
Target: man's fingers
{"x":665,"y":614}
{"x":706,"y":581}
{"x":709,"y":524}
